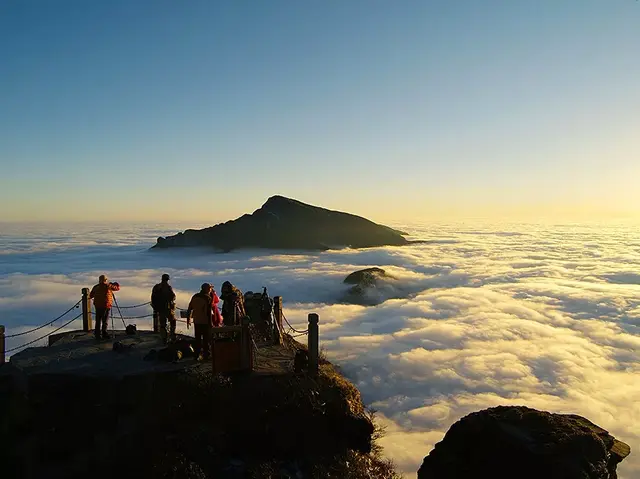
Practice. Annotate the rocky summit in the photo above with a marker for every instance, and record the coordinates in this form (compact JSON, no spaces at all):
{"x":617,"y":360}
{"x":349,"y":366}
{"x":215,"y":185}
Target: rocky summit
{"x":366,"y":277}
{"x":370,"y":287}
{"x":508,"y":442}
{"x":284,"y":223}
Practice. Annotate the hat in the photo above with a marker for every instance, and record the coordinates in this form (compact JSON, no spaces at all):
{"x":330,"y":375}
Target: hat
{"x":205,"y":287}
{"x":165,"y":277}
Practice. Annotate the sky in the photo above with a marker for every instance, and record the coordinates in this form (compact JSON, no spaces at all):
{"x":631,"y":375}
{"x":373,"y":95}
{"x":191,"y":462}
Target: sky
{"x":198,"y":111}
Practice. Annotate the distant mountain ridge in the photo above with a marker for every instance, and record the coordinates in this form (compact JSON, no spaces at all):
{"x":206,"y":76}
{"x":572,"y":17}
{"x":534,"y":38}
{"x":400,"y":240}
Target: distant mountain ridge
{"x":285,"y":223}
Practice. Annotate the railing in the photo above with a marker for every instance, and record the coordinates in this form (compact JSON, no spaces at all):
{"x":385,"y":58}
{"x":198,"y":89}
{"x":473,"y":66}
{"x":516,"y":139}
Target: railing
{"x":86,"y":314}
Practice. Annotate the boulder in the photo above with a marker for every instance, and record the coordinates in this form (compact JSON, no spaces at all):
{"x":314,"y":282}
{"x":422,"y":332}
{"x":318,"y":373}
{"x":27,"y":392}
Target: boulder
{"x":284,"y":223}
{"x":506,"y":442}
{"x":371,"y":286}
{"x":367,"y":276}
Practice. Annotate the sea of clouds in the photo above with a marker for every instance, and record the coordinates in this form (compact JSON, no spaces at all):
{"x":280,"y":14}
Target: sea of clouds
{"x":479,"y":315}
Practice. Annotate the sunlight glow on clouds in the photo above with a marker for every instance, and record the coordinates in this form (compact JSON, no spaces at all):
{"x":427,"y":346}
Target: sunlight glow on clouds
{"x":478,"y":316}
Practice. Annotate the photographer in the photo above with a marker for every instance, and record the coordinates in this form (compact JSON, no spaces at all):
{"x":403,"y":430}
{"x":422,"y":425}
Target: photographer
{"x":102,"y":295}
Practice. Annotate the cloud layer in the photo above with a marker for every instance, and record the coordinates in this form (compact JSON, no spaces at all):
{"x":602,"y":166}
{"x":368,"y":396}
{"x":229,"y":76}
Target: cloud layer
{"x":547,"y":316}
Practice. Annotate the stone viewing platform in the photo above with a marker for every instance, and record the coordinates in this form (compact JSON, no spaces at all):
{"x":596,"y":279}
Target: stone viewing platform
{"x":78,"y":353}
{"x":260,"y":346}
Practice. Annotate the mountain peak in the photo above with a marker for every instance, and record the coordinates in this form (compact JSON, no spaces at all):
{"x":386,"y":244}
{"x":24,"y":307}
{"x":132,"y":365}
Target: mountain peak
{"x":285,"y":223}
{"x":277,"y":201}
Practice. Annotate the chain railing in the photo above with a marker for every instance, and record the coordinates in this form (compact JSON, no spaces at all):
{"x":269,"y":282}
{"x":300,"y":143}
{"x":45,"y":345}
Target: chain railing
{"x":15,"y":335}
{"x":136,"y":305}
{"x":44,"y":336}
{"x":296,"y":332}
{"x":86,"y":315}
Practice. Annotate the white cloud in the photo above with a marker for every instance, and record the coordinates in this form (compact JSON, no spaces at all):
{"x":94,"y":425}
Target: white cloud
{"x":548,"y":317}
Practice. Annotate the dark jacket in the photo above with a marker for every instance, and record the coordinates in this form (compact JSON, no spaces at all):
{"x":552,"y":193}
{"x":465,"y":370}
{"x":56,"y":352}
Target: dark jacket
{"x":233,"y":310}
{"x":163,"y":299}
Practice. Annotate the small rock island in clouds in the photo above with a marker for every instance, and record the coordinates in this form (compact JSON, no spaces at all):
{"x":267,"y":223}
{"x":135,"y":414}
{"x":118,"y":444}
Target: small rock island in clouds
{"x":287,"y":224}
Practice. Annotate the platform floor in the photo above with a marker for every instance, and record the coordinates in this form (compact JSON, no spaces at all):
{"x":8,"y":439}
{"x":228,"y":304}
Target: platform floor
{"x":78,"y":352}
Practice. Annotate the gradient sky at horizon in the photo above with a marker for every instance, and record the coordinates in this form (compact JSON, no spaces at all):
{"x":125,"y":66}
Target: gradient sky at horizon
{"x":198,"y":111}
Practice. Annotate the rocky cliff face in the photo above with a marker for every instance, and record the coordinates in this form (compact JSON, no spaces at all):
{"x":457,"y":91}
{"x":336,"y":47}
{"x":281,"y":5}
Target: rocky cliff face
{"x":184,"y":423}
{"x":519,"y":442}
{"x":284,"y":223}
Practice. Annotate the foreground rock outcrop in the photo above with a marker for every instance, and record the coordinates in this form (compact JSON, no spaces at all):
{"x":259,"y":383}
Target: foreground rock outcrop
{"x":284,"y":223}
{"x":519,"y":442}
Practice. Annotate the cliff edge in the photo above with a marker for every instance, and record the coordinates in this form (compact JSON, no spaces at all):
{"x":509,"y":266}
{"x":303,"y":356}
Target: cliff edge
{"x":64,"y":416}
{"x":285,"y":223}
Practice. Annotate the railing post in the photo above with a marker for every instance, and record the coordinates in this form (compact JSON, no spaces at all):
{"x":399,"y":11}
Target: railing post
{"x":277,"y":318}
{"x":2,"y":345}
{"x":86,"y":310}
{"x":313,"y":346}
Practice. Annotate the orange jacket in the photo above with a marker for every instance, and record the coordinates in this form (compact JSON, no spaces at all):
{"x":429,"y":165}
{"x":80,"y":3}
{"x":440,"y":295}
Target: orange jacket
{"x":200,"y":308}
{"x":102,"y":294}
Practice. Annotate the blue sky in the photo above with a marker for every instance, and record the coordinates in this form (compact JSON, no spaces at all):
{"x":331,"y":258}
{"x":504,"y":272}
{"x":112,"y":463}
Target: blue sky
{"x":200,"y":110}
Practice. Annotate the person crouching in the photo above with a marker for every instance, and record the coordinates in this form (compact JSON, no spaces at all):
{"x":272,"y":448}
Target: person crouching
{"x":200,"y":311}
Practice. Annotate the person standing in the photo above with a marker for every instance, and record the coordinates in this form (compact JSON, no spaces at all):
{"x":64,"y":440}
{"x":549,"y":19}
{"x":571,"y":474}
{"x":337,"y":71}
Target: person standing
{"x":217,"y":316}
{"x":102,"y":295}
{"x":233,"y":311}
{"x":201,"y":312}
{"x":163,"y":302}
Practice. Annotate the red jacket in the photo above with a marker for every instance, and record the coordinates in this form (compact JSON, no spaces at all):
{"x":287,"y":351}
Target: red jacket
{"x":102,"y":294}
{"x":216,"y":317}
